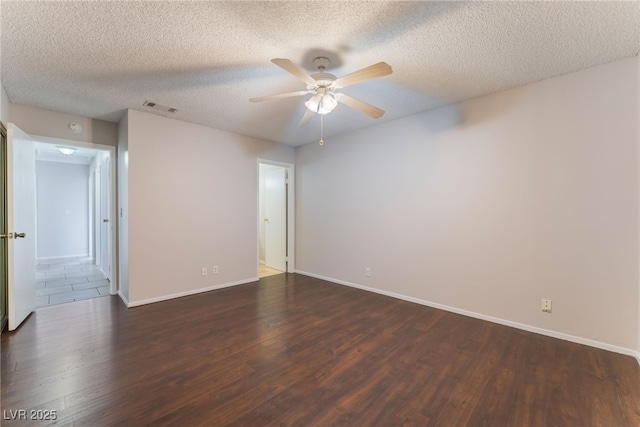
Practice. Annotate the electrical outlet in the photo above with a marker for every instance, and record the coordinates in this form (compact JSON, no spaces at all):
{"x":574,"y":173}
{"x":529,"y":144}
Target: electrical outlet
{"x":546,"y":305}
{"x":204,"y":271}
{"x":367,"y":272}
{"x":215,"y":269}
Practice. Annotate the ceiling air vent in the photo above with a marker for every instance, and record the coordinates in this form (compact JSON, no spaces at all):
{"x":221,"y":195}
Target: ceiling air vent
{"x":160,"y":107}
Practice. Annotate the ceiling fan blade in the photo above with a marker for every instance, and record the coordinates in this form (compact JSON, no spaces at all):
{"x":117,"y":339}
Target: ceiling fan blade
{"x":279,"y":96}
{"x":305,"y":119}
{"x":371,"y":72}
{"x":289,"y":66}
{"x":368,"y":109}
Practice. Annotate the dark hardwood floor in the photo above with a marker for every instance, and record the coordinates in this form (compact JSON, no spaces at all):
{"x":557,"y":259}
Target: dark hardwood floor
{"x":296,"y":351}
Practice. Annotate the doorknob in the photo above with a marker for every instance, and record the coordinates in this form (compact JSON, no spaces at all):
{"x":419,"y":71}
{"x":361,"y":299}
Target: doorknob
{"x":105,"y":220}
{"x":13,"y":235}
{"x":266,"y":220}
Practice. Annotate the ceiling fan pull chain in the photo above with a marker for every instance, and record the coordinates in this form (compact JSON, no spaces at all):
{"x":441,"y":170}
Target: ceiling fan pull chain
{"x":321,"y":126}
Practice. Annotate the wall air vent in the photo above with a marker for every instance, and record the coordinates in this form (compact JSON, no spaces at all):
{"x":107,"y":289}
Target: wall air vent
{"x":160,"y":107}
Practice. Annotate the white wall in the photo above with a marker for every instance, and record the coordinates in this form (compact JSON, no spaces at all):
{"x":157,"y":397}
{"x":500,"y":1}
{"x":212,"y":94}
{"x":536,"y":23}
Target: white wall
{"x":54,"y":124}
{"x":491,"y":205}
{"x":123,"y":206}
{"x":193,"y":202}
{"x":62,"y":198}
{"x":4,"y":105}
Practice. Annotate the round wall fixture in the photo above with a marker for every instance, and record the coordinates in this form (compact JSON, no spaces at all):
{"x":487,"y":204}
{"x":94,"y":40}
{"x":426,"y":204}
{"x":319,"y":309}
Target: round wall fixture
{"x":75,"y":127}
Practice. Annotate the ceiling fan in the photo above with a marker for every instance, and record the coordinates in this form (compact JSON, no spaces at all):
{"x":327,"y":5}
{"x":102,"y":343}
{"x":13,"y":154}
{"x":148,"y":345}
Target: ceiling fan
{"x":324,"y":87}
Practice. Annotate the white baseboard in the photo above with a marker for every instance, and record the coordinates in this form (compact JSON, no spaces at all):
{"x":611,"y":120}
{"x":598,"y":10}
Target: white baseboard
{"x":62,"y":256}
{"x":191,"y":292}
{"x":124,"y":299}
{"x":638,"y":357}
{"x":529,"y":328}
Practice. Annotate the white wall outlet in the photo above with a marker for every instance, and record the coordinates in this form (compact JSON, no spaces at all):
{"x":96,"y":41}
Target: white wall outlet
{"x":546,"y":305}
{"x":215,"y":269}
{"x":204,"y":271}
{"x":367,"y":272}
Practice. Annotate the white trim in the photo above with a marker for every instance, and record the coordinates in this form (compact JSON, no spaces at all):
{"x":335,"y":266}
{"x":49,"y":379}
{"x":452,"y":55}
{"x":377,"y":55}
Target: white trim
{"x":123,"y":298}
{"x":638,"y":357}
{"x":113,"y":216}
{"x":63,"y":256}
{"x":529,"y":328}
{"x":73,"y":143}
{"x":192,"y":292}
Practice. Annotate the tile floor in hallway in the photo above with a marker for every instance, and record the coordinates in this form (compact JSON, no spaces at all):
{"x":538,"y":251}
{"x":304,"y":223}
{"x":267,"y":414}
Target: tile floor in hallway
{"x":61,"y":280}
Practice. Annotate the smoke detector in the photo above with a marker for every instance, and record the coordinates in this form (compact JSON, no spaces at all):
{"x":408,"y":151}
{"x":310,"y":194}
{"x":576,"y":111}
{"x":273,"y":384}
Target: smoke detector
{"x":75,"y":127}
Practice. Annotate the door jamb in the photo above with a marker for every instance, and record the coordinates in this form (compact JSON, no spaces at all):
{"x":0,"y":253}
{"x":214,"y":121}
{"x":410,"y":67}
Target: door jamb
{"x":4,"y":321}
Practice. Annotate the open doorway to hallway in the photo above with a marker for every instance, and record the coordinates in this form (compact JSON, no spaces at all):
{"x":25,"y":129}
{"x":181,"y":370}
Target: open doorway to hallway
{"x":275,"y":219}
{"x":73,"y":250}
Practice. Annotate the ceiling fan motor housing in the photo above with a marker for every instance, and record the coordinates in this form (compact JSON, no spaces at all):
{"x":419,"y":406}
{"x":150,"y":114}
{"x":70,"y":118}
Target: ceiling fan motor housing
{"x":321,"y":63}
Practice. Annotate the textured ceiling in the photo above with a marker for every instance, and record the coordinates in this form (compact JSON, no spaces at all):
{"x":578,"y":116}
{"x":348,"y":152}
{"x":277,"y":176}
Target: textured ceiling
{"x":98,"y":58}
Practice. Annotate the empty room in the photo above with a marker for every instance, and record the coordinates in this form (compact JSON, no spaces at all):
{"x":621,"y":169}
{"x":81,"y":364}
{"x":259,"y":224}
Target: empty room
{"x":321,"y":213}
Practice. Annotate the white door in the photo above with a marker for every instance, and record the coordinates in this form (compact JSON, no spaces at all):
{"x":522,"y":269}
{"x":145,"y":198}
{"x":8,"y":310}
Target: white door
{"x":105,"y":227}
{"x":275,"y":227}
{"x":21,"y":226}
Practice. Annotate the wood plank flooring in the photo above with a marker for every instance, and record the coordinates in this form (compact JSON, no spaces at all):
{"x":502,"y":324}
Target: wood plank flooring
{"x":291,"y":350}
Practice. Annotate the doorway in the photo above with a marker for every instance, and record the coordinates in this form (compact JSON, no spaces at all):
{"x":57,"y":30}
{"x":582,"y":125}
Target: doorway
{"x":275,"y":218}
{"x":73,"y":227}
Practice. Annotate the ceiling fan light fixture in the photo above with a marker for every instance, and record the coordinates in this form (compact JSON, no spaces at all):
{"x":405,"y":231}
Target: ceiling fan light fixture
{"x":328,"y":104}
{"x":321,"y":103}
{"x":325,"y":86}
{"x":313,"y":103}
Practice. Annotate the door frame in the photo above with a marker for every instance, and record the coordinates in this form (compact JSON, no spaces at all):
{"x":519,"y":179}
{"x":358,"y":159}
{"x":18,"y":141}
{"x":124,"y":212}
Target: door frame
{"x":113,"y":283}
{"x":291,"y":220}
{"x":104,"y":248}
{"x":4,"y":282}
{"x":273,"y":233}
